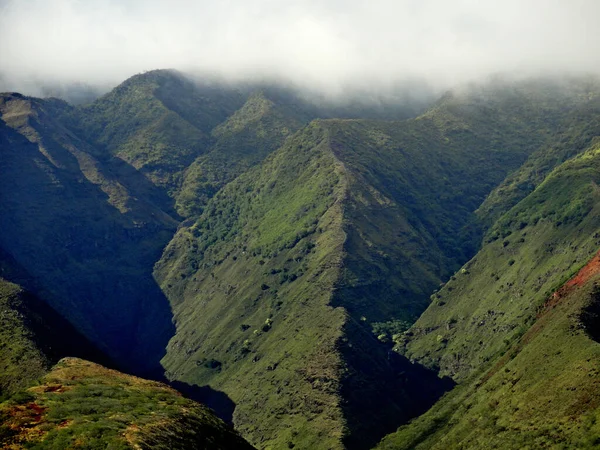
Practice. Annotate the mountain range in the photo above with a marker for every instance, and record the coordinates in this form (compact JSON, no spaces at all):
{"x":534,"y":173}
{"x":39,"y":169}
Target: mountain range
{"x":410,"y":274}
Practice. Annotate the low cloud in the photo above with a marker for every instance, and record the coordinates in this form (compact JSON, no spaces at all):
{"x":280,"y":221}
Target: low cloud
{"x":326,"y":45}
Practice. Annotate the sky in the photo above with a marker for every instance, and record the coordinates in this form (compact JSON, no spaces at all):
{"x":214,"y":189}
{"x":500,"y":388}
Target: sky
{"x":322,"y":44}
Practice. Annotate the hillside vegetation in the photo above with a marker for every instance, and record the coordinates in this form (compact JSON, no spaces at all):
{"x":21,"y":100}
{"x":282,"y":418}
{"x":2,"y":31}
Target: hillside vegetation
{"x":81,"y":404}
{"x":281,"y":283}
{"x":270,"y":251}
{"x":522,"y":347}
{"x":33,"y":337}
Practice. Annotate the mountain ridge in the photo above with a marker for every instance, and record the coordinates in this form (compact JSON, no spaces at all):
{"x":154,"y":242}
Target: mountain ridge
{"x":256,"y":246}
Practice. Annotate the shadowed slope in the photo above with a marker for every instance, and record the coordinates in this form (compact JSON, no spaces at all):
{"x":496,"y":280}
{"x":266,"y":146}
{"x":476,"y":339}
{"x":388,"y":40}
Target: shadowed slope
{"x":81,"y":234}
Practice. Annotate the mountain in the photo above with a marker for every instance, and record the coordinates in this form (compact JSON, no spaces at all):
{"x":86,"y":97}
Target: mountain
{"x":274,"y":257}
{"x":516,"y":327}
{"x":343,"y":231}
{"x":88,"y":231}
{"x":82,"y":404}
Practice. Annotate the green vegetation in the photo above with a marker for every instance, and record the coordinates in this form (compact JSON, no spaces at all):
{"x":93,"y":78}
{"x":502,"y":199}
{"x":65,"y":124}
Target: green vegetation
{"x":243,"y":140}
{"x":574,"y":133}
{"x":245,"y":264}
{"x":295,"y":252}
{"x":514,"y":340}
{"x":158,"y":122}
{"x":340,"y":232}
{"x":22,"y":361}
{"x":32,"y":335}
{"x":83,"y":405}
{"x":542,"y":393}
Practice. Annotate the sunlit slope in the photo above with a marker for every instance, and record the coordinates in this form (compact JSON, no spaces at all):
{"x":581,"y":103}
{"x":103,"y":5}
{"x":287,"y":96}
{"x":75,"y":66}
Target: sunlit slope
{"x":247,"y":137}
{"x":347,"y":228}
{"x":573,"y":134}
{"x":518,"y":343}
{"x":82,"y":404}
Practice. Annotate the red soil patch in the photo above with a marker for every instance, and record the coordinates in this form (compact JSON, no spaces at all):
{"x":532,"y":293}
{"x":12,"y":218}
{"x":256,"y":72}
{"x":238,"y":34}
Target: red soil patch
{"x":38,"y":411}
{"x":591,"y":269}
{"x":588,"y":271}
{"x":583,"y":276}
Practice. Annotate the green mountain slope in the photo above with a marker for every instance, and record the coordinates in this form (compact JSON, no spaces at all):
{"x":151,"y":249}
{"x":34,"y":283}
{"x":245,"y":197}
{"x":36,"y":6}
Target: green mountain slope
{"x":266,"y":290}
{"x":81,"y":404}
{"x":574,"y":134}
{"x":345,"y":230}
{"x":521,"y":353}
{"x":32,"y":338}
{"x":158,"y":122}
{"x":258,"y":128}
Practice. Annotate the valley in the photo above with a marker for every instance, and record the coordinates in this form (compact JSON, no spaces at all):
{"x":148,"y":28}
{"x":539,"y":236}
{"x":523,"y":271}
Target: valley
{"x":321,"y":275}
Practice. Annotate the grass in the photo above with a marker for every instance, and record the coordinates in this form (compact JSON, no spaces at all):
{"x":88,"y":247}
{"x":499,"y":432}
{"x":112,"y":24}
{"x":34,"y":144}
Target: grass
{"x":300,"y":248}
{"x":526,"y":366}
{"x":22,"y":359}
{"x":544,"y":395}
{"x":253,"y":264}
{"x":242,"y":141}
{"x":81,"y":404}
{"x":340,"y":230}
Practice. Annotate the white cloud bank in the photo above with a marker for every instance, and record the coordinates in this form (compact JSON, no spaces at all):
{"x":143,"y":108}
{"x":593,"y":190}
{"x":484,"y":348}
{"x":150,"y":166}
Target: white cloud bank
{"x":323,"y":44}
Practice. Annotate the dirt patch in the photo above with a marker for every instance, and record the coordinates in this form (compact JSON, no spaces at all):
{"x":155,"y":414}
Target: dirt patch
{"x":591,"y":313}
{"x":54,"y":388}
{"x":588,"y":271}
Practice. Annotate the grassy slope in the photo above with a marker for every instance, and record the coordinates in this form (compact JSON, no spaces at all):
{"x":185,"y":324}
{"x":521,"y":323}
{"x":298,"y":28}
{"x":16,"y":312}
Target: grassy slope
{"x":542,"y":394}
{"x":574,"y":133}
{"x":414,"y":186}
{"x":22,"y":360}
{"x":243,"y":140}
{"x":32,"y":335}
{"x":485,"y":328}
{"x":81,"y":404}
{"x":252,"y":281}
{"x":250,"y":286}
{"x":158,"y":122}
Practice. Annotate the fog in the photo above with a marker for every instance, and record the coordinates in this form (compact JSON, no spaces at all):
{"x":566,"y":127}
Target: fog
{"x":326,"y":45}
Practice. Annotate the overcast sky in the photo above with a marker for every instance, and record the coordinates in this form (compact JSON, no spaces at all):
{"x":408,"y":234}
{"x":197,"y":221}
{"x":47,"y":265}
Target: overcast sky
{"x":321,"y":43}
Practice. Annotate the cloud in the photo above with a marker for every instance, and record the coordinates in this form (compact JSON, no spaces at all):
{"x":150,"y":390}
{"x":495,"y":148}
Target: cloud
{"x":326,"y":44}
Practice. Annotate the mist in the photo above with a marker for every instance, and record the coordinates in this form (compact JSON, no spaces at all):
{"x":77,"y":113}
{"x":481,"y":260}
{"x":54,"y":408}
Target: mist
{"x":328,"y":46}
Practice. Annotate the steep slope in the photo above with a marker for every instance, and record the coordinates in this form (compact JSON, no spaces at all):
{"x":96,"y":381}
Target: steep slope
{"x":81,"y":404}
{"x":158,"y":122}
{"x":266,"y":286}
{"x":247,"y":137}
{"x":574,"y":133}
{"x":251,"y":287}
{"x":278,"y":285}
{"x":522,"y":349}
{"x":542,"y":394}
{"x":83,"y":234}
{"x":32,"y":335}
